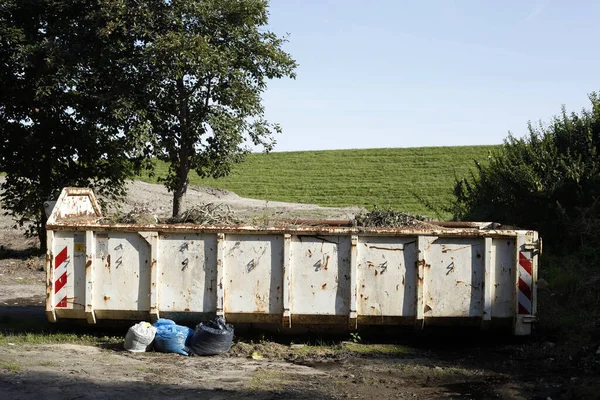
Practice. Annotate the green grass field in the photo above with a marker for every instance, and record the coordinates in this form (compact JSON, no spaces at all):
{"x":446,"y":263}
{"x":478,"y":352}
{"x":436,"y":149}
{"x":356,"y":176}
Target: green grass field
{"x":382,"y":177}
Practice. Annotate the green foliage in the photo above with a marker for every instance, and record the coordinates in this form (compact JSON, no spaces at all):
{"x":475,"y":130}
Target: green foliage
{"x":66,"y":114}
{"x":569,"y":307}
{"x":548,"y":181}
{"x":389,"y":178}
{"x":207,"y":64}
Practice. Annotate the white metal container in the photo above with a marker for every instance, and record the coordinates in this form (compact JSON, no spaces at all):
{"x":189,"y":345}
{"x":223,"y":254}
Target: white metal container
{"x":314,"y":275}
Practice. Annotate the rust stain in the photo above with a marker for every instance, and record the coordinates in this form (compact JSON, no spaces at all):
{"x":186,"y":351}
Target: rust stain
{"x":326,"y":263}
{"x":106,"y":298}
{"x":376,"y":272}
{"x":108,"y":261}
{"x":402,"y":280}
{"x":363,"y":286}
{"x":261,"y":303}
{"x":397,"y":287}
{"x":361,"y":296}
{"x":187,"y":310}
{"x":153,"y":263}
{"x":323,"y":286}
{"x":385,"y":248}
{"x":220,"y":285}
{"x":442,"y":229}
{"x":457,"y":249}
{"x":153,"y":284}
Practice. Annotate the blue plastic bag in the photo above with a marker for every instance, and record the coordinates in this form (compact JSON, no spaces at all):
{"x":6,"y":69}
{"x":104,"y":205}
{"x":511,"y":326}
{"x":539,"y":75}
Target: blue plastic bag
{"x":172,"y":338}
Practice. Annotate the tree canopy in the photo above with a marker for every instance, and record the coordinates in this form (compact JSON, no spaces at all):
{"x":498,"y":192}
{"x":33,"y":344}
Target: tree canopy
{"x":91,"y":92}
{"x":66,"y":112}
{"x":208,"y":63}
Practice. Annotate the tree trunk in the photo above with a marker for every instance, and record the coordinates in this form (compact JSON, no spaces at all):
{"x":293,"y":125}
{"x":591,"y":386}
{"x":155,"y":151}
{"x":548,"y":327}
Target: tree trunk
{"x":42,"y":231}
{"x":186,"y":146}
{"x":180,"y":186}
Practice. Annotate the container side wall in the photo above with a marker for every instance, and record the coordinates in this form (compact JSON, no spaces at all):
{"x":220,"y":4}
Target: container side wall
{"x":503,"y":292}
{"x":454,"y":273}
{"x":122,"y":272}
{"x":320,"y":275}
{"x":387,"y":276}
{"x":253,"y":274}
{"x":187,"y":277}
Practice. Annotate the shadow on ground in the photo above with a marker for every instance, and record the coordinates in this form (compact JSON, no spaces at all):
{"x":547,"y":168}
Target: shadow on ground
{"x":56,"y":387}
{"x":19,"y":254}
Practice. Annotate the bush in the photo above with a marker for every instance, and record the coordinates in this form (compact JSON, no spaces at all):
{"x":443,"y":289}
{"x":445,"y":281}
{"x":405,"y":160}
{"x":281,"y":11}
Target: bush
{"x":548,"y":181}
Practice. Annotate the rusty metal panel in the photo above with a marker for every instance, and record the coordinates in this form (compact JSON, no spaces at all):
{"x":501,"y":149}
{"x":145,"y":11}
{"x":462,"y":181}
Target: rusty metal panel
{"x":387,"y":276}
{"x":253,"y":274}
{"x":74,"y":203}
{"x":122,"y":272}
{"x":320,"y":275}
{"x":187,"y":272}
{"x":503,"y":290}
{"x":454,"y":274}
{"x":69,"y":270}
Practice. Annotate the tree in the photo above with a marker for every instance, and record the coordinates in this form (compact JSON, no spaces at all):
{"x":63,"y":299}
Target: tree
{"x":548,"y":181}
{"x":67,"y":104}
{"x":208,"y":63}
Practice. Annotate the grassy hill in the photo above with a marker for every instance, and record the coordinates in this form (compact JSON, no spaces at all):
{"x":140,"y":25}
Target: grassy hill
{"x":385,"y":177}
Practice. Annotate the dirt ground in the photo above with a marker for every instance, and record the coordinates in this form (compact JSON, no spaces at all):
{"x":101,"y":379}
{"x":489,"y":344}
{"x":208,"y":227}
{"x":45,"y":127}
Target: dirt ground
{"x":436,"y":367}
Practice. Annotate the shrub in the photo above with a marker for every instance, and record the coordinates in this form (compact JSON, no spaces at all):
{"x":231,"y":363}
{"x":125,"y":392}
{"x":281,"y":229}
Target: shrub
{"x":548,"y":181}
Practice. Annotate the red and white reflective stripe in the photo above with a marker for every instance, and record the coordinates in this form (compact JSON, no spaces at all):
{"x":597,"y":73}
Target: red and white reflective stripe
{"x":525,"y":284}
{"x":60,"y":277}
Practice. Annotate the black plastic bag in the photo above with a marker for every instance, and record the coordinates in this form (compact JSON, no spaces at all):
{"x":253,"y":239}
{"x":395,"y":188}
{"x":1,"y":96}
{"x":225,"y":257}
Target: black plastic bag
{"x":210,"y":338}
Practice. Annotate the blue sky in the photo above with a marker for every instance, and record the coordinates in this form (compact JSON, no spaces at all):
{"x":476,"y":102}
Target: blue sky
{"x":387,"y":73}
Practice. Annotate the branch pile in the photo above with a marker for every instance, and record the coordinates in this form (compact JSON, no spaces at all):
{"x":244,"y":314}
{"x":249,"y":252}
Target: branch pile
{"x":388,"y":218}
{"x":207,"y":214}
{"x":140,"y":214}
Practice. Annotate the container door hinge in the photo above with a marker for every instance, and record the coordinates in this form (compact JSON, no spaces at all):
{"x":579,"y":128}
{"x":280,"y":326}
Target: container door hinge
{"x":535,"y":246}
